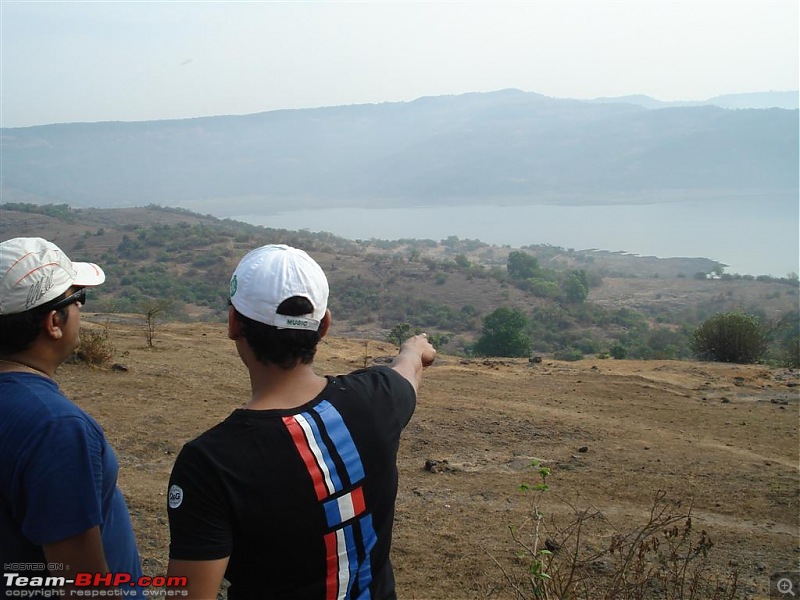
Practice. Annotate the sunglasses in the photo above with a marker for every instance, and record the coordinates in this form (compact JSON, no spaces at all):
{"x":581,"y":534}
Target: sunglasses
{"x":79,"y":296}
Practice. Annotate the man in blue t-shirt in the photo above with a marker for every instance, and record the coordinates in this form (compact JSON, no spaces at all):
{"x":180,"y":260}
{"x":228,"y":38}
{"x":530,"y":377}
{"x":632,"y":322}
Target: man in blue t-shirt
{"x":61,"y":512}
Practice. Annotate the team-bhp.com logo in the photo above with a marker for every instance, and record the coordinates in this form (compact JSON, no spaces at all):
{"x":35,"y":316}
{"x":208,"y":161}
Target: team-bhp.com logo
{"x":94,"y":585}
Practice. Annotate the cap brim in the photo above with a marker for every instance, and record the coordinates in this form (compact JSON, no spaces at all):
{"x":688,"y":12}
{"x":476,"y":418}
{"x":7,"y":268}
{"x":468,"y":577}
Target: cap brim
{"x":88,"y":274}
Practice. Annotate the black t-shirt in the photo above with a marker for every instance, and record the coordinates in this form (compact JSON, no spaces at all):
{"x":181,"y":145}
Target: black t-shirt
{"x":302,"y":500}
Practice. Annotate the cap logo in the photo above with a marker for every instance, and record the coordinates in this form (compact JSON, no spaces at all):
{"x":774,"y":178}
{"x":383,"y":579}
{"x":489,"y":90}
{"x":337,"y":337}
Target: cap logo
{"x":297,"y":323}
{"x":234,"y":286}
{"x":38,"y":289}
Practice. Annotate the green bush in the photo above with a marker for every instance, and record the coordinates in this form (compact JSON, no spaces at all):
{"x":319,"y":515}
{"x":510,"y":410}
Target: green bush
{"x":522,"y":266}
{"x":618,"y":351}
{"x":504,"y":334}
{"x":791,"y":353}
{"x":660,"y":343}
{"x":730,"y":337}
{"x":575,"y":287}
{"x":785,"y":335}
{"x":399,"y":333}
{"x":355,"y":294}
{"x":586,"y":344}
{"x":544,"y":289}
{"x":569,"y":354}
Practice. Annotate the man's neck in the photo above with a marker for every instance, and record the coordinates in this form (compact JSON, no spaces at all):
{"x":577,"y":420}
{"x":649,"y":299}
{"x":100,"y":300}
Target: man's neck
{"x":26,"y":363}
{"x":274,"y":387}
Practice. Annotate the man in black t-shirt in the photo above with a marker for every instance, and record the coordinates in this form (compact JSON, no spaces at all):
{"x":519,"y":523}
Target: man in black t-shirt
{"x":293,"y":495}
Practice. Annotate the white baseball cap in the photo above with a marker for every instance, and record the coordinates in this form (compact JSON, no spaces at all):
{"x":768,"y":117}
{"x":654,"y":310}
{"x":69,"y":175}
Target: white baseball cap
{"x":271,"y":274}
{"x":34,"y":271}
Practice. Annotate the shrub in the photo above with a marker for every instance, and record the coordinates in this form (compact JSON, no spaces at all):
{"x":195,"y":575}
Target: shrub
{"x":785,"y":334}
{"x":586,"y":344}
{"x":589,"y":557}
{"x":521,"y":266}
{"x":504,"y":334}
{"x":618,"y":351}
{"x":544,"y":289}
{"x":660,"y":343}
{"x":791,"y":353}
{"x":576,"y":287}
{"x":355,"y":295}
{"x":730,"y":337}
{"x":95,"y":347}
{"x":439,"y":340}
{"x":569,"y":354}
{"x":399,"y":333}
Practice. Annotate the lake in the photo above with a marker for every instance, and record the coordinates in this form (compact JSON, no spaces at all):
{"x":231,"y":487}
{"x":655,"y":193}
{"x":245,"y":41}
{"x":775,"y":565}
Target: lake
{"x":750,"y":237}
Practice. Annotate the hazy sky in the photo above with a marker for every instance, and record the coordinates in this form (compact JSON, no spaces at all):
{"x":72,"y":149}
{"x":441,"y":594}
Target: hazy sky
{"x":132,"y":61}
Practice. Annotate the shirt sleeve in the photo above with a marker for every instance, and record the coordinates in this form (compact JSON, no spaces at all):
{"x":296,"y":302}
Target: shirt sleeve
{"x":390,"y":396}
{"x":400,"y":392}
{"x":63,"y":481}
{"x":199,"y":522}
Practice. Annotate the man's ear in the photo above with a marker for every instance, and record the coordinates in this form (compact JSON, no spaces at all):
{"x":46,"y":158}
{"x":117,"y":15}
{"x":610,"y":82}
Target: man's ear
{"x":234,"y":326}
{"x":52,"y":326}
{"x":324,"y":324}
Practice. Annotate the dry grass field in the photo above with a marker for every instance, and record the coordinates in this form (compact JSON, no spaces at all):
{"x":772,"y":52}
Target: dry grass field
{"x":613,"y":433}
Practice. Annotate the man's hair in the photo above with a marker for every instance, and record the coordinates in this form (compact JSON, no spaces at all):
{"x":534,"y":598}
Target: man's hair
{"x":19,"y":330}
{"x":285,"y":348}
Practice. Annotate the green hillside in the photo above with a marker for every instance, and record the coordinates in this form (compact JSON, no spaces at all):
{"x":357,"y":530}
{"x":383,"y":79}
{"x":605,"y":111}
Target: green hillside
{"x":574,"y":302}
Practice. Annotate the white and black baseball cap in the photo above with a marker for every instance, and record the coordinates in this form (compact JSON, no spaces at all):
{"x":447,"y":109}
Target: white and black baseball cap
{"x":34,"y":272}
{"x":271,"y":274}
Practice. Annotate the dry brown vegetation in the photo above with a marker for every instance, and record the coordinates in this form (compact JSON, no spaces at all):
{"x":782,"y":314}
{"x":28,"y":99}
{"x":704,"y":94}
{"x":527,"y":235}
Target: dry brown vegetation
{"x":722,"y":436}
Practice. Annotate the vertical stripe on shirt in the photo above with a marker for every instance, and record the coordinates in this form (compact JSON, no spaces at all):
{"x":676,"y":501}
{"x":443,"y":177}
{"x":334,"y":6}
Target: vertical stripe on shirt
{"x":331,"y":458}
{"x":307,"y":455}
{"x":342,"y":440}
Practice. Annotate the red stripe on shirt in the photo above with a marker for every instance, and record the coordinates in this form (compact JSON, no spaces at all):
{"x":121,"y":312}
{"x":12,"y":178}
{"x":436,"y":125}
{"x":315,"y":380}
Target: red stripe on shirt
{"x":357,"y":496}
{"x":332,"y":560}
{"x":301,"y":443}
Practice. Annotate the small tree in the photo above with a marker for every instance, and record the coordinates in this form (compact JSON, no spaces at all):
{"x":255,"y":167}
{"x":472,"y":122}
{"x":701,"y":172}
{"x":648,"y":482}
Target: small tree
{"x":504,"y":334}
{"x":576,"y":287}
{"x":522,"y":266}
{"x":730,"y":337}
{"x":399,"y":333}
{"x":151,"y":309}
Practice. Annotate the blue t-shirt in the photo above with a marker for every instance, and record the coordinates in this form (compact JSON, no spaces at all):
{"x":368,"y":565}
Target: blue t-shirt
{"x":58,"y":477}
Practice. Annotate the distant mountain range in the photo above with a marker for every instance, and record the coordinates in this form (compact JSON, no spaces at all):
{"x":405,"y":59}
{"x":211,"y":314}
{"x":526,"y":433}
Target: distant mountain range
{"x":787,"y":100}
{"x":507,"y":146}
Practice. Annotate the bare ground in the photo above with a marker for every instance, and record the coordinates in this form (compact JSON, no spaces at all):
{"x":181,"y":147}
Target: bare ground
{"x":724,"y":437}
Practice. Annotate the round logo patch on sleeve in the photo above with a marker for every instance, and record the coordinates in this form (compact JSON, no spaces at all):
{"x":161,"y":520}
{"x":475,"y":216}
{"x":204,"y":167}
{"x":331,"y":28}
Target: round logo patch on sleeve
{"x":175,"y":496}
